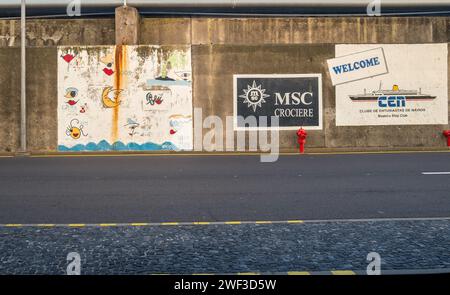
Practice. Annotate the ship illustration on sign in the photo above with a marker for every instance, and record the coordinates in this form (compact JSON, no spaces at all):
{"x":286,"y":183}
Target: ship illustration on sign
{"x":395,"y":91}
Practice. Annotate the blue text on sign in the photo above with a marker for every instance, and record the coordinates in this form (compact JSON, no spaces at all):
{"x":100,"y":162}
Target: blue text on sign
{"x":350,"y":67}
{"x":391,"y":101}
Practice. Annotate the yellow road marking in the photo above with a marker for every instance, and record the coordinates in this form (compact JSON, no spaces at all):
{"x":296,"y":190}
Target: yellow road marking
{"x":170,"y":223}
{"x":88,"y":154}
{"x":108,"y":224}
{"x":343,"y":272}
{"x":298,"y":273}
{"x":372,"y":152}
{"x":211,"y":222}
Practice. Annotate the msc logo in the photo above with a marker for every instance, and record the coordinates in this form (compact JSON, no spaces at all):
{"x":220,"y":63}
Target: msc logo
{"x":254,"y":96}
{"x":391,"y":101}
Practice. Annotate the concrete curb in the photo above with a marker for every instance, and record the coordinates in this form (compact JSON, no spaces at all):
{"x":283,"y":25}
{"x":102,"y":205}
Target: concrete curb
{"x":311,"y":151}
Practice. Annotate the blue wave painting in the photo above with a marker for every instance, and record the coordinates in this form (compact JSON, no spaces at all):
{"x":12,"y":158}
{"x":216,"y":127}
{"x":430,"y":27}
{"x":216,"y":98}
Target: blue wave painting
{"x":118,"y":146}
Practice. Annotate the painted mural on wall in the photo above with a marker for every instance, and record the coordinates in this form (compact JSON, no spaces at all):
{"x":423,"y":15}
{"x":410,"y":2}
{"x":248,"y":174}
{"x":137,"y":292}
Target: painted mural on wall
{"x":124,"y":98}
{"x":413,"y":91}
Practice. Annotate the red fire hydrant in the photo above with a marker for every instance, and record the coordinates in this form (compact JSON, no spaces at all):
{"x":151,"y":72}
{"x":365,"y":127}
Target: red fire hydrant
{"x":447,"y":134}
{"x":301,"y":138}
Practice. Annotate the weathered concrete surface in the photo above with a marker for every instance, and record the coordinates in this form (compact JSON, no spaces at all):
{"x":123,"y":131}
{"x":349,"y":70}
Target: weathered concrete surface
{"x":42,"y":99}
{"x":200,"y":30}
{"x":127,"y":25}
{"x":55,"y":32}
{"x":319,"y":30}
{"x":167,"y":31}
{"x":9,"y":99}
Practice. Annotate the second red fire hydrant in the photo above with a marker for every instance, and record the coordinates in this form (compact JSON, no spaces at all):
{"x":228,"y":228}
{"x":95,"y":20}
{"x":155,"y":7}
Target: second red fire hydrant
{"x":301,"y":138}
{"x":447,"y":134}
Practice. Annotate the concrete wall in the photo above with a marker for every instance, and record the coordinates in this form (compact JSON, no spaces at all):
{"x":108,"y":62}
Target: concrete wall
{"x":9,"y":99}
{"x":41,"y":99}
{"x":319,"y":30}
{"x":221,"y":47}
{"x":49,"y":33}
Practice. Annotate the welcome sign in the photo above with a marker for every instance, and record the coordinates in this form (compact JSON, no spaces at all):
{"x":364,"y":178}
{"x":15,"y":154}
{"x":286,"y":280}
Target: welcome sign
{"x":357,"y":66}
{"x":295,"y":99}
{"x":414,"y":92}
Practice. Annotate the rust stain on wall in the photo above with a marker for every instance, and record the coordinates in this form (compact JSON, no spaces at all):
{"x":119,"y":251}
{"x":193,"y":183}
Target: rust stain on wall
{"x":120,"y":65}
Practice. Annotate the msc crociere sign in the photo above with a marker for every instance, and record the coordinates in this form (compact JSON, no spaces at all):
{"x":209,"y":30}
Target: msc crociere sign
{"x":295,"y":99}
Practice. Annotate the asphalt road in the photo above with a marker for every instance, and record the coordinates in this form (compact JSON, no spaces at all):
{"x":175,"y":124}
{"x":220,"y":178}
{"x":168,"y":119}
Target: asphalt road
{"x":221,"y":188}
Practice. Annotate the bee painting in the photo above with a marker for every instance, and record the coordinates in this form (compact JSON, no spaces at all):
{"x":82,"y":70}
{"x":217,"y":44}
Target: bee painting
{"x":75,"y":129}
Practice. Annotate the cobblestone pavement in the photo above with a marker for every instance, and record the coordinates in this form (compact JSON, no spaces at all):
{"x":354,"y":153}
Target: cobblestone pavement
{"x":320,"y":246}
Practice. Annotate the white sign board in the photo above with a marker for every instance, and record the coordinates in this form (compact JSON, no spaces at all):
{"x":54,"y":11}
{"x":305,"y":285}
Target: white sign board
{"x":414,"y":92}
{"x":356,"y":66}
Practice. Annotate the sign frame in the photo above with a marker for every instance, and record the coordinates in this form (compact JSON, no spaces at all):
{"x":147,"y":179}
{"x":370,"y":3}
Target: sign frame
{"x":310,"y":75}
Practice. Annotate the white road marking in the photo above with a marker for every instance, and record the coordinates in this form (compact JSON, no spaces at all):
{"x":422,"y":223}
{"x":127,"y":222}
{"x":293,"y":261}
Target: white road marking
{"x":436,"y":173}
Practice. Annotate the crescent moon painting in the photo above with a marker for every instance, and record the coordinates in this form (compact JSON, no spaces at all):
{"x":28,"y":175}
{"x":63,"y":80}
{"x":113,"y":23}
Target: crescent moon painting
{"x":107,"y":100}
